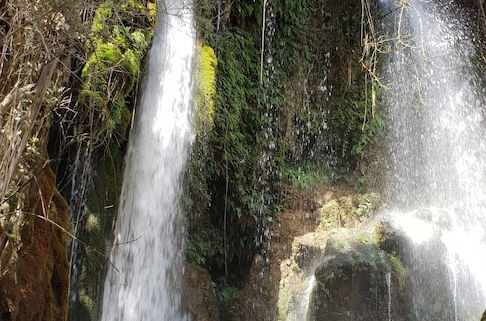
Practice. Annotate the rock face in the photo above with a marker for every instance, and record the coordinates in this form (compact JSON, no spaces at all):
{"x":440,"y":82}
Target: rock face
{"x":484,"y":316}
{"x":198,"y":296}
{"x":35,"y":288}
{"x":357,"y":281}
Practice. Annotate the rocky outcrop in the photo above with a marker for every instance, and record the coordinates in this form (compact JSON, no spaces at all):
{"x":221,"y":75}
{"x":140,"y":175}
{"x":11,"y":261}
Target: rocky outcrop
{"x":484,"y":316}
{"x":198,"y":295}
{"x":279,"y":282}
{"x":356,"y":280}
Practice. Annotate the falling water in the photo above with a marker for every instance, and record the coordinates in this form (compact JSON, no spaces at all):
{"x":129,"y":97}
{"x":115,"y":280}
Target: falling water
{"x":437,"y":158}
{"x":301,"y":311}
{"x":389,"y":288}
{"x":143,"y":280}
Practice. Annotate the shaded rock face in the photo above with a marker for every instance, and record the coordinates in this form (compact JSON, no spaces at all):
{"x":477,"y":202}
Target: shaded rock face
{"x":36,"y":288}
{"x":430,"y":295}
{"x":484,"y":316}
{"x":198,"y":296}
{"x":357,"y":281}
{"x":429,"y":286}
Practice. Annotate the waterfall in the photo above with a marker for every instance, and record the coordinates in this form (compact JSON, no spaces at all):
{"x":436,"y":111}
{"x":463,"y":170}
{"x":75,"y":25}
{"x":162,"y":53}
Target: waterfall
{"x":300,"y":311}
{"x":436,"y":153}
{"x":143,"y":280}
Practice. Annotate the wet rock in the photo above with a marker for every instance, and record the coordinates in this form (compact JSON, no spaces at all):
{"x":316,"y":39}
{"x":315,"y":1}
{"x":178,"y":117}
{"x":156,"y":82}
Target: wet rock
{"x":357,"y":281}
{"x":305,"y":254}
{"x":197,"y":294}
{"x":388,"y":238}
{"x":484,"y":316}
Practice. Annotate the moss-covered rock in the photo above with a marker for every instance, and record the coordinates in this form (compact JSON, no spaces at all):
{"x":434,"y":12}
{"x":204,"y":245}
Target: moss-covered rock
{"x":102,"y":206}
{"x":120,"y":36}
{"x":347,"y":211}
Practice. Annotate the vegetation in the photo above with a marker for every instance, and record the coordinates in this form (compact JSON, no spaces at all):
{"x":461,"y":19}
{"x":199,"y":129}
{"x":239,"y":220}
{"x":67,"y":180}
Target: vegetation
{"x":205,"y":90}
{"x":308,"y":177}
{"x":257,"y":134}
{"x":115,"y":47}
{"x":398,"y":269}
{"x":120,"y":34}
{"x":299,"y":107}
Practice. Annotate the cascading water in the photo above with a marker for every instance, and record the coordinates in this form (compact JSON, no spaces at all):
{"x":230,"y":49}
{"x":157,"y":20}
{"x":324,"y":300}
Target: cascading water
{"x":436,"y":140}
{"x":301,"y":311}
{"x":142,"y":282}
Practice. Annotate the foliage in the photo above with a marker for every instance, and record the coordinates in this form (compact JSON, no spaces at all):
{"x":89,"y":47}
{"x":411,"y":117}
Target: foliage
{"x":356,"y":121}
{"x":224,"y":154}
{"x":120,"y":34}
{"x":238,"y":165}
{"x":205,"y":18}
{"x":365,"y":203}
{"x":309,"y":176}
{"x":206,"y":243}
{"x":224,"y":292}
{"x":238,"y":120}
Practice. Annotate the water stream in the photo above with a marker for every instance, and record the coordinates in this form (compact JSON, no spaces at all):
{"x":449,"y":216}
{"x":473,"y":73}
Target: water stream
{"x":437,"y":161}
{"x":301,"y":311}
{"x":143,"y":281}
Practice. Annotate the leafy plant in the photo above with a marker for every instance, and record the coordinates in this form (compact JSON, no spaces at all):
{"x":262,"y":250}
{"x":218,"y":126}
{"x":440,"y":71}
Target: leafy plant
{"x":224,"y":292}
{"x":309,"y":176}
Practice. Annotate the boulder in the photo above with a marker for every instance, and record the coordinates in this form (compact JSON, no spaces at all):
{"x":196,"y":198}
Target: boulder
{"x":357,"y":281}
{"x":198,"y":295}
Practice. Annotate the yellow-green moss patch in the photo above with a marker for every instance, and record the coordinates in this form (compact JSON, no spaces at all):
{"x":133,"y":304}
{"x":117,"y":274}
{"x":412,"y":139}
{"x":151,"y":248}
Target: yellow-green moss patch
{"x":205,"y":89}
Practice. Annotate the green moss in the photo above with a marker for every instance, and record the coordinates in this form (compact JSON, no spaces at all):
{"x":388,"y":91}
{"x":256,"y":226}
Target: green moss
{"x":104,"y":11}
{"x":345,"y":210}
{"x":332,"y":214}
{"x":364,"y":204}
{"x":120,"y":35}
{"x":286,"y":302}
{"x":379,"y":235}
{"x":398,"y":269}
{"x":205,"y":89}
{"x":92,"y":224}
{"x":86,"y":301}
